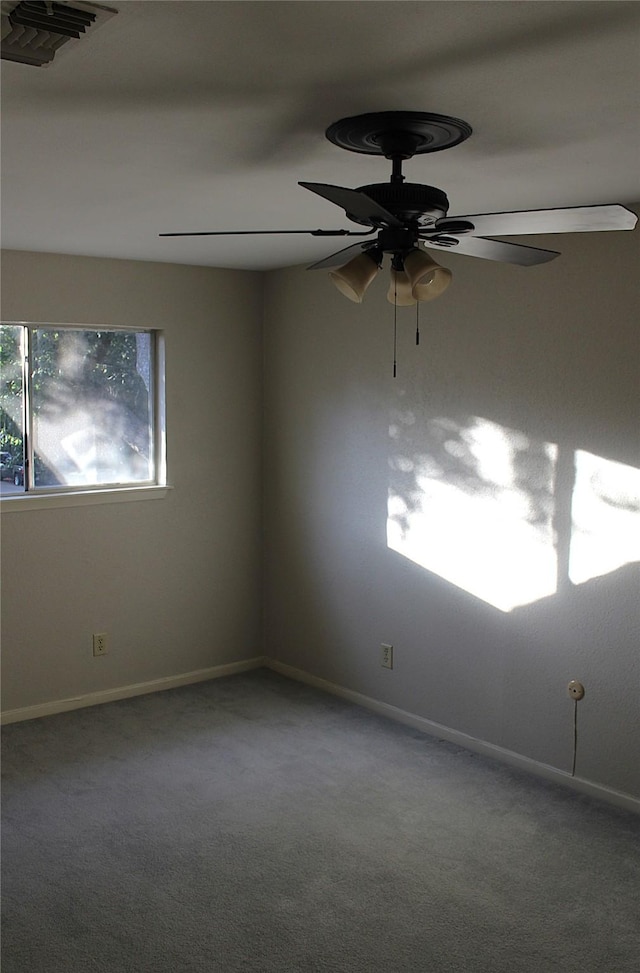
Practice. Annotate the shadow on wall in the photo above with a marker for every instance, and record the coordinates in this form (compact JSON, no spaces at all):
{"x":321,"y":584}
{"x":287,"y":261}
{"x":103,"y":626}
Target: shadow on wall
{"x":509,"y":518}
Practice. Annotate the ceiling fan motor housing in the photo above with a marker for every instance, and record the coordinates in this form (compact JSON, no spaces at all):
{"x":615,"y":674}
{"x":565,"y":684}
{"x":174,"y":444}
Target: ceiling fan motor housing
{"x":397,"y":240}
{"x":409,"y":202}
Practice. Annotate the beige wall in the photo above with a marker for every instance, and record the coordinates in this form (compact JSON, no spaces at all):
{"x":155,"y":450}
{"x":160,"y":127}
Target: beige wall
{"x":545,"y":358}
{"x":175,"y":582}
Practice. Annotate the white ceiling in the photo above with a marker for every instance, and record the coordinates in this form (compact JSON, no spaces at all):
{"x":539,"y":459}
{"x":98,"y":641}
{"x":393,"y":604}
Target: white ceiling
{"x":204,"y":115}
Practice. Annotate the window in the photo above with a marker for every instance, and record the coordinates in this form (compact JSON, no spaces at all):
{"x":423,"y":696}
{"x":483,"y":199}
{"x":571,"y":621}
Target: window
{"x":80,"y":409}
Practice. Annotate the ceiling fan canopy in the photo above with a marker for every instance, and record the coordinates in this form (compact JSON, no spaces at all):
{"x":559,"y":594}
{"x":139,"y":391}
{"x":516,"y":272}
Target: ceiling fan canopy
{"x":407,"y":217}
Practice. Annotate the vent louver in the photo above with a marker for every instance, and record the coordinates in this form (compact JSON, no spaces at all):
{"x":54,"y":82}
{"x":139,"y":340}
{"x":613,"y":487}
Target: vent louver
{"x":33,"y":32}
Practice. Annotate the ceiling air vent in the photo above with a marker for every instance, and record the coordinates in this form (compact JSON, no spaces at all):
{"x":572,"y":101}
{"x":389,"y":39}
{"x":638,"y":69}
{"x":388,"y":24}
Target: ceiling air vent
{"x":33,"y":32}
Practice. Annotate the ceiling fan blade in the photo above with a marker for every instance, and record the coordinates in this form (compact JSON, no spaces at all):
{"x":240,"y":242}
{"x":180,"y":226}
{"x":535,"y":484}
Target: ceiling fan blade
{"x":265,"y":232}
{"x":511,"y":253}
{"x":573,"y":219}
{"x":342,"y":257}
{"x":355,"y":204}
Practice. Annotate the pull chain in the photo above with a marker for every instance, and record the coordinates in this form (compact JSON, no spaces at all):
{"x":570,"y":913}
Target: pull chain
{"x":395,"y":325}
{"x":418,"y":322}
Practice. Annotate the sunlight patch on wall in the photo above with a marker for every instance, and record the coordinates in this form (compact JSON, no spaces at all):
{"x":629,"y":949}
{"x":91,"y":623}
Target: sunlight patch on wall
{"x":605,"y":532}
{"x":479,"y":504}
{"x":472,"y":501}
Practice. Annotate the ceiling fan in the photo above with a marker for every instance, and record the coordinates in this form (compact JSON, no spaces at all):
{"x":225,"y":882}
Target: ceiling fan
{"x":407,"y":217}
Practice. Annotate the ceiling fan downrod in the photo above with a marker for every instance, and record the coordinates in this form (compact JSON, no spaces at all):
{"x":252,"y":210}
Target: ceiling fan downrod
{"x":396,"y":171}
{"x":397,"y":146}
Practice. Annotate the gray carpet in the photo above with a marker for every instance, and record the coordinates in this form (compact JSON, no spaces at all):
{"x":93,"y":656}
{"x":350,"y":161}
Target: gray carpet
{"x":255,"y":824}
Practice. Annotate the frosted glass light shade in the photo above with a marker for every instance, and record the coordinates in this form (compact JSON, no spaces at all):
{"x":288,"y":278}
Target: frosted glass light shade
{"x":399,"y":292}
{"x":427,"y":279}
{"x":353,"y":279}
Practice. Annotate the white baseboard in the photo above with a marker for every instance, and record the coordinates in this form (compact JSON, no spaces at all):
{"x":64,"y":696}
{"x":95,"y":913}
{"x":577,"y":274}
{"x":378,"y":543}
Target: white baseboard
{"x":124,"y":692}
{"x":599,"y":791}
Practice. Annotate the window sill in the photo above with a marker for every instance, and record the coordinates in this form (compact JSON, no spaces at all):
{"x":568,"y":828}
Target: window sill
{"x":81,"y":498}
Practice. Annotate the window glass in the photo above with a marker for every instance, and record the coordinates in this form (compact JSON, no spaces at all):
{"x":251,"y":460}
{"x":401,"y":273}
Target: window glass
{"x":89,"y":417}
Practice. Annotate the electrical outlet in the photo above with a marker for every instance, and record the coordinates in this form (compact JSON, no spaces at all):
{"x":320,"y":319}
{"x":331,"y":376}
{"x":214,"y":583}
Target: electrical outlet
{"x":387,"y":656}
{"x":575,"y":689}
{"x":100,"y":643}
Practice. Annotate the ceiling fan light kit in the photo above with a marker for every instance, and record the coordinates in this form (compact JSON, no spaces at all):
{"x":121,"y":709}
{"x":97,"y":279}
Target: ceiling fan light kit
{"x":399,"y":292}
{"x":407,"y":217}
{"x":427,"y":279}
{"x":353,"y":279}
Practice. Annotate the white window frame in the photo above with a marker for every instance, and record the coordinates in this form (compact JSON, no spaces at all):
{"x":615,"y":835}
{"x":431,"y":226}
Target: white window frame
{"x":68,"y":495}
